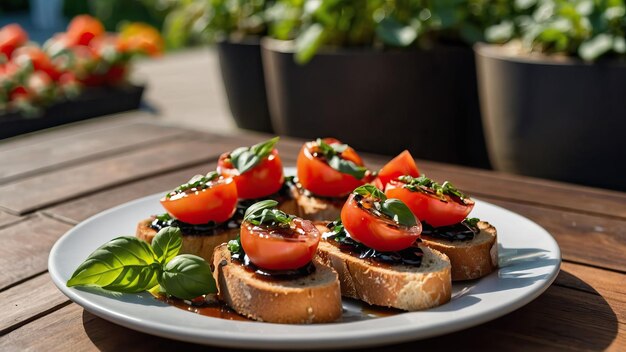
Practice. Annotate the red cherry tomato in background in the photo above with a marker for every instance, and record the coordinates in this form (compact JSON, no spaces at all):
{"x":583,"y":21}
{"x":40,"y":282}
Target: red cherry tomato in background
{"x":216,"y":203}
{"x":401,"y":165}
{"x":262,"y":180}
{"x":280,"y":249}
{"x":318,"y":177}
{"x":83,"y":29}
{"x":39,"y":59}
{"x":12,"y":36}
{"x":429,"y":207}
{"x":374,"y":231}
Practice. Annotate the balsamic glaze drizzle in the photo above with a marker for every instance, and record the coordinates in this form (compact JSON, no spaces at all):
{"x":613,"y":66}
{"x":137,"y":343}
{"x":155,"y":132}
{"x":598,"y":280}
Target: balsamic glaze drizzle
{"x":462,"y":231}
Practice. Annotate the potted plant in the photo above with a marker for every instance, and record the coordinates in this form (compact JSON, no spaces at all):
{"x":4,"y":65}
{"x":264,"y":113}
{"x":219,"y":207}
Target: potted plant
{"x":78,"y":74}
{"x":236,"y":27}
{"x":553,"y":94}
{"x":382,"y":76}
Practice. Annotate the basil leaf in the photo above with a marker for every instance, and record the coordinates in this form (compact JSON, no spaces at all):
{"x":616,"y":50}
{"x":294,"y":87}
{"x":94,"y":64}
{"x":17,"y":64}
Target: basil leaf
{"x":187,"y":276}
{"x":347,"y":167}
{"x":244,"y":159}
{"x":370,"y":191}
{"x":234,"y":246}
{"x":166,"y":244}
{"x":258,"y":207}
{"x":124,"y":264}
{"x":398,"y":211}
{"x":473,"y":222}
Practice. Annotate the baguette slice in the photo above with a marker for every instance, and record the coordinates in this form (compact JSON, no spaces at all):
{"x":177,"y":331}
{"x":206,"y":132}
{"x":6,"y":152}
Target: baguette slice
{"x":470,"y":259}
{"x":315,"y":298}
{"x":200,"y":245}
{"x":314,"y":208}
{"x":398,"y":286}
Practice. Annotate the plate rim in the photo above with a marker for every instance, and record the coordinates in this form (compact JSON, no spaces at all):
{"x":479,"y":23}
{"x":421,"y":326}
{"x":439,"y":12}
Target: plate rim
{"x":327,"y":340}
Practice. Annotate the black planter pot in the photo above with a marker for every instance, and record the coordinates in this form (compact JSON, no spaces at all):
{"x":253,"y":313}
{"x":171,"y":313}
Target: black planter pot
{"x":385,"y":102}
{"x":92,"y":102}
{"x":562,"y":119}
{"x":242,"y":72}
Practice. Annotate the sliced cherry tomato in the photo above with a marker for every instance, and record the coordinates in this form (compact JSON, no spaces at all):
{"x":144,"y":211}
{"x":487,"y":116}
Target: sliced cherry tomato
{"x":374,"y":230}
{"x":317,"y":176}
{"x":198,"y":205}
{"x":276,"y":248}
{"x":262,"y":180}
{"x":83,"y":28}
{"x":436,"y":210}
{"x":403,"y":164}
{"x":12,"y":36}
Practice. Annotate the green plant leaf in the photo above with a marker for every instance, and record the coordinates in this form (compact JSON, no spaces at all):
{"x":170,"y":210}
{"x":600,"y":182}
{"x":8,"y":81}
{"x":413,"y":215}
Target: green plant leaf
{"x":124,"y":264}
{"x":166,"y":244}
{"x":398,"y":211}
{"x":347,"y":167}
{"x":394,"y":33}
{"x":258,"y":207}
{"x":244,"y":159}
{"x":308,"y":43}
{"x":370,"y":191}
{"x":187,"y":276}
{"x":595,"y":47}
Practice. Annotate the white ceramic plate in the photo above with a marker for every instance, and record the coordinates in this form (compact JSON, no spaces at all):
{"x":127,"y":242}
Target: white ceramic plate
{"x":529,"y":262}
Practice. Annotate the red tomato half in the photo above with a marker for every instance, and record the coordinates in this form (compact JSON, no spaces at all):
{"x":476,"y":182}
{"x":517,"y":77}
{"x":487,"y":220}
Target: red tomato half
{"x":216,"y":203}
{"x":262,"y":180}
{"x":12,"y":36}
{"x":83,"y":28}
{"x":280,"y":249}
{"x":401,"y":165}
{"x":428,"y":207}
{"x":318,"y":177}
{"x":375,"y":231}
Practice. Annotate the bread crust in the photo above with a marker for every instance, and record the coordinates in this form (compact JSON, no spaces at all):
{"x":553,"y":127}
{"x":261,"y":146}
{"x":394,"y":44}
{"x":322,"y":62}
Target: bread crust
{"x":315,"y":298}
{"x":200,"y":245}
{"x":399,"y":286}
{"x":470,"y":259}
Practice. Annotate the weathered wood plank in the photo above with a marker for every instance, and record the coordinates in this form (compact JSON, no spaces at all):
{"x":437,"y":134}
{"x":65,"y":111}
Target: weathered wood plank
{"x":610,"y":285}
{"x":55,"y":153}
{"x":530,"y":190}
{"x":38,"y":191}
{"x":27,"y":301}
{"x":124,"y":118}
{"x":80,"y":209}
{"x":25,"y":248}
{"x":7,"y":219}
{"x":583,"y":238}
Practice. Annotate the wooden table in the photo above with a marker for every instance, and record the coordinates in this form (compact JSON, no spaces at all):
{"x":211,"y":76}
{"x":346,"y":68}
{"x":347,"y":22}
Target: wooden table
{"x":53,"y":180}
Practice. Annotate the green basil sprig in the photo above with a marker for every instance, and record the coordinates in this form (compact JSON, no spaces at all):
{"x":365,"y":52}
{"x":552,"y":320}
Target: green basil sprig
{"x":332,"y":154}
{"x":265,"y":212}
{"x":392,"y":208}
{"x":130,"y":265}
{"x":198,"y":182}
{"x":418,"y":184}
{"x":245,"y":158}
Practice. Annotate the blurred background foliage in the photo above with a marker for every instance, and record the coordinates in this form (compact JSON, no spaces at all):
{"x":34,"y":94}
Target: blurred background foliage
{"x":585,"y":28}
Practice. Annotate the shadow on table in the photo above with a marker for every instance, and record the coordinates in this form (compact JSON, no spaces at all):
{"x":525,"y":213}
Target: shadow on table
{"x":571,"y":314}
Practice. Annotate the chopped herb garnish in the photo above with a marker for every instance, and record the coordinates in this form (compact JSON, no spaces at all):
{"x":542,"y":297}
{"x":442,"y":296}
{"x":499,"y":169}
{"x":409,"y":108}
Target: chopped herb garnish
{"x":246,"y":158}
{"x":473,"y":222}
{"x":332,"y":154}
{"x":423,"y":183}
{"x":265,"y":212}
{"x":198,"y":182}
{"x":235,"y":248}
{"x":393,"y":209}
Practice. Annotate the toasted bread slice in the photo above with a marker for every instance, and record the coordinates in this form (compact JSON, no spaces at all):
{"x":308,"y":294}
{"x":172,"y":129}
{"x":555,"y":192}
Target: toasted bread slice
{"x":315,"y":298}
{"x":399,"y":286}
{"x":200,"y":245}
{"x":311,"y":207}
{"x":470,"y":259}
